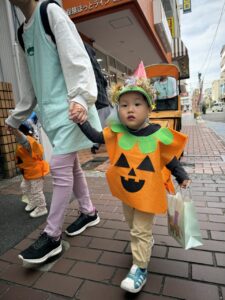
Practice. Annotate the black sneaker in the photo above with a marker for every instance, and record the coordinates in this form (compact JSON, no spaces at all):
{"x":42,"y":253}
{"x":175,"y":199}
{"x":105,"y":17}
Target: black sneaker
{"x":43,"y":248}
{"x":81,"y":223}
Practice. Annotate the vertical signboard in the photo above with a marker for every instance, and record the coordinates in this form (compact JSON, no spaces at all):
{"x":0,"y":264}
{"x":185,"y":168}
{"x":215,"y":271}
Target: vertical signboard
{"x":170,"y":21}
{"x":186,"y":6}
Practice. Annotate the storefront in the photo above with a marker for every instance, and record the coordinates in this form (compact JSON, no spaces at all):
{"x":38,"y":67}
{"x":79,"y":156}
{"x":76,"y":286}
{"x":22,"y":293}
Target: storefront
{"x":123,"y":32}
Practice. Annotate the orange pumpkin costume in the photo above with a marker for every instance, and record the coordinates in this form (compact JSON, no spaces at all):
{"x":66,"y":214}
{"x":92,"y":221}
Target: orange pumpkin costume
{"x":138,"y":176}
{"x":32,"y":164}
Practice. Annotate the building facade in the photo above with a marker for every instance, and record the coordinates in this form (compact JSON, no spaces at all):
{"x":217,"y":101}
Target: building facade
{"x":208,"y":97}
{"x":131,"y":30}
{"x":216,"y":90}
{"x":123,"y":32}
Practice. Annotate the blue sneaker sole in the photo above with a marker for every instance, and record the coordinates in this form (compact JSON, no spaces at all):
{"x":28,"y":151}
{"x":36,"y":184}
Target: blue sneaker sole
{"x":44,"y":258}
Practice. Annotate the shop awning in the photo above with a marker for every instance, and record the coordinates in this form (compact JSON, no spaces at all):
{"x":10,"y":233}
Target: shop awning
{"x":178,"y":48}
{"x":180,"y":57}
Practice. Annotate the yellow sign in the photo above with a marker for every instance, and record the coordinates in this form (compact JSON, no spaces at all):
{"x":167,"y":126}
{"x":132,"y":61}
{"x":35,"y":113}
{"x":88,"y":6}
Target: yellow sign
{"x":170,"y":21}
{"x":186,"y":6}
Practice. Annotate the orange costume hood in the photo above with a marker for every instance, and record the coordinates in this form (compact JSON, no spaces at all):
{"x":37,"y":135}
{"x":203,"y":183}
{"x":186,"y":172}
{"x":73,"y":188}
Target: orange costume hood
{"x":32,"y":164}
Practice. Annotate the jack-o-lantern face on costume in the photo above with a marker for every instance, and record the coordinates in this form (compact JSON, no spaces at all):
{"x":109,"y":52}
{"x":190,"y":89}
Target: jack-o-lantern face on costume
{"x":131,"y":185}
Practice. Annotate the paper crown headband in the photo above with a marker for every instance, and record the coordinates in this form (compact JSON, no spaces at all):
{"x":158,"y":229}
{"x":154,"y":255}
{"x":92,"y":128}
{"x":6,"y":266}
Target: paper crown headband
{"x":137,"y":83}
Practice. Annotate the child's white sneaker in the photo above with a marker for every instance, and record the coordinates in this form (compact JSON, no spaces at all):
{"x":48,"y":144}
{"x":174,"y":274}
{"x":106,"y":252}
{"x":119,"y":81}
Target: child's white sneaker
{"x":25,"y":199}
{"x":30,"y":207}
{"x":38,"y":212}
{"x":134,"y":280}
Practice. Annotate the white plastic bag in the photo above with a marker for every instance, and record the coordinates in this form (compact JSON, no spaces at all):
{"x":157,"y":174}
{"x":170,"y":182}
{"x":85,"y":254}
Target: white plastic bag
{"x":182,"y":221}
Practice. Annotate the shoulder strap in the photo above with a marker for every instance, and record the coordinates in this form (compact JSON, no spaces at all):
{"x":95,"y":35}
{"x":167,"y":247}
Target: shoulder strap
{"x":44,"y":18}
{"x":20,"y":36}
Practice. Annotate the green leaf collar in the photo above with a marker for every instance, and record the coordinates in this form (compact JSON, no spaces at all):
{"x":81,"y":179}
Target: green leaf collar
{"x":146,"y":144}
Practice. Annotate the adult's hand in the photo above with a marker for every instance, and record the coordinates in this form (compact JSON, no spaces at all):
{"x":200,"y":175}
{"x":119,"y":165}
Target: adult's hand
{"x":13,"y":130}
{"x":77,"y":113}
{"x":9,"y":128}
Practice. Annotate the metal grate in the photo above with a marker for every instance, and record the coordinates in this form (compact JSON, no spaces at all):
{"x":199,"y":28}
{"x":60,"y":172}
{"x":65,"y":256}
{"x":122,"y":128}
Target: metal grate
{"x":92,"y":164}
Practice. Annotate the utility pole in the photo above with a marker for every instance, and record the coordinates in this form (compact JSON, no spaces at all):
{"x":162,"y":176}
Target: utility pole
{"x":200,"y":92}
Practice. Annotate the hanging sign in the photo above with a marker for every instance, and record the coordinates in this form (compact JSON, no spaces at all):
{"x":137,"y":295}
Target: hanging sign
{"x":186,"y":6}
{"x":170,"y":21}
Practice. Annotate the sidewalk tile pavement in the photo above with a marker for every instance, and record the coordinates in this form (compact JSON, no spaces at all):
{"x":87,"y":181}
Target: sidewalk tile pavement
{"x":94,"y":263}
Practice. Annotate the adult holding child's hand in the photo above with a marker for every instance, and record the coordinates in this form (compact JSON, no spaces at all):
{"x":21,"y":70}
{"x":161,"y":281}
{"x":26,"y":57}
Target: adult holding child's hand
{"x":50,"y":77}
{"x":77,"y":112}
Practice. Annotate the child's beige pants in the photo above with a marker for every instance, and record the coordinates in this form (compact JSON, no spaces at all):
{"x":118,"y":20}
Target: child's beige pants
{"x":34,"y":191}
{"x":140,"y":224}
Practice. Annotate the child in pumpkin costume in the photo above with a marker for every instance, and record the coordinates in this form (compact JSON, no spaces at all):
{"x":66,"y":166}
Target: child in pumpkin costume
{"x":141,"y":156}
{"x":29,"y":155}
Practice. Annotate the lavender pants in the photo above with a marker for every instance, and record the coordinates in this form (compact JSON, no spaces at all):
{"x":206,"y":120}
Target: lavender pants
{"x":67,"y":177}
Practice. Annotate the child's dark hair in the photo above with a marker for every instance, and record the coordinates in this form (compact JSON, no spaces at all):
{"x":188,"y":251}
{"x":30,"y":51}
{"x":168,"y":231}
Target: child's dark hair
{"x":26,"y":129}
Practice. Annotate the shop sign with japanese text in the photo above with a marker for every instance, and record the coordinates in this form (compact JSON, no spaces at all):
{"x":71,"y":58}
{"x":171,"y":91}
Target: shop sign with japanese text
{"x":80,"y":7}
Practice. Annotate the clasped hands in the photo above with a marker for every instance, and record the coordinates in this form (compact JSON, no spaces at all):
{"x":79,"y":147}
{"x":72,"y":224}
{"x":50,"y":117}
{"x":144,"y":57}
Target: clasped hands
{"x":77,"y":113}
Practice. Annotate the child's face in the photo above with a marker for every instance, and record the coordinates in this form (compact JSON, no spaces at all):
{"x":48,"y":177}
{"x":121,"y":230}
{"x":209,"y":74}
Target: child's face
{"x":133,"y":110}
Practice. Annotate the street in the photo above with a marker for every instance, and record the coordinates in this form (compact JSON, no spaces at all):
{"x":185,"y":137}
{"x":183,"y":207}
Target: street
{"x":216,"y":121}
{"x":15,"y":223}
{"x":214,"y":116}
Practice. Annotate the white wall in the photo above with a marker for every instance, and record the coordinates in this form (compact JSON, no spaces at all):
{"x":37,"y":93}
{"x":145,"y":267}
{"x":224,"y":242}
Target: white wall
{"x":9,"y":71}
{"x":8,"y":49}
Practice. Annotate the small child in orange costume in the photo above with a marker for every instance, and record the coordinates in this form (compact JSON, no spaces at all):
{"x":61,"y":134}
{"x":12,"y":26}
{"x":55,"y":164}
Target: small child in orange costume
{"x":141,"y":156}
{"x":29,"y":155}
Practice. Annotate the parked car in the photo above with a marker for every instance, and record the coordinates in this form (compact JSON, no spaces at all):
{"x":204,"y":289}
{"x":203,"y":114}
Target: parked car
{"x":217,"y":107}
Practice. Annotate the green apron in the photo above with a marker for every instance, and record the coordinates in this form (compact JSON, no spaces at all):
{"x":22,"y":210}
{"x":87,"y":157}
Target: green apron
{"x":51,"y":92}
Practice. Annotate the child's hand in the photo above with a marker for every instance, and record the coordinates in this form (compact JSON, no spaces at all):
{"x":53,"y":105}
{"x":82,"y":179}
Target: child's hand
{"x":185,"y":184}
